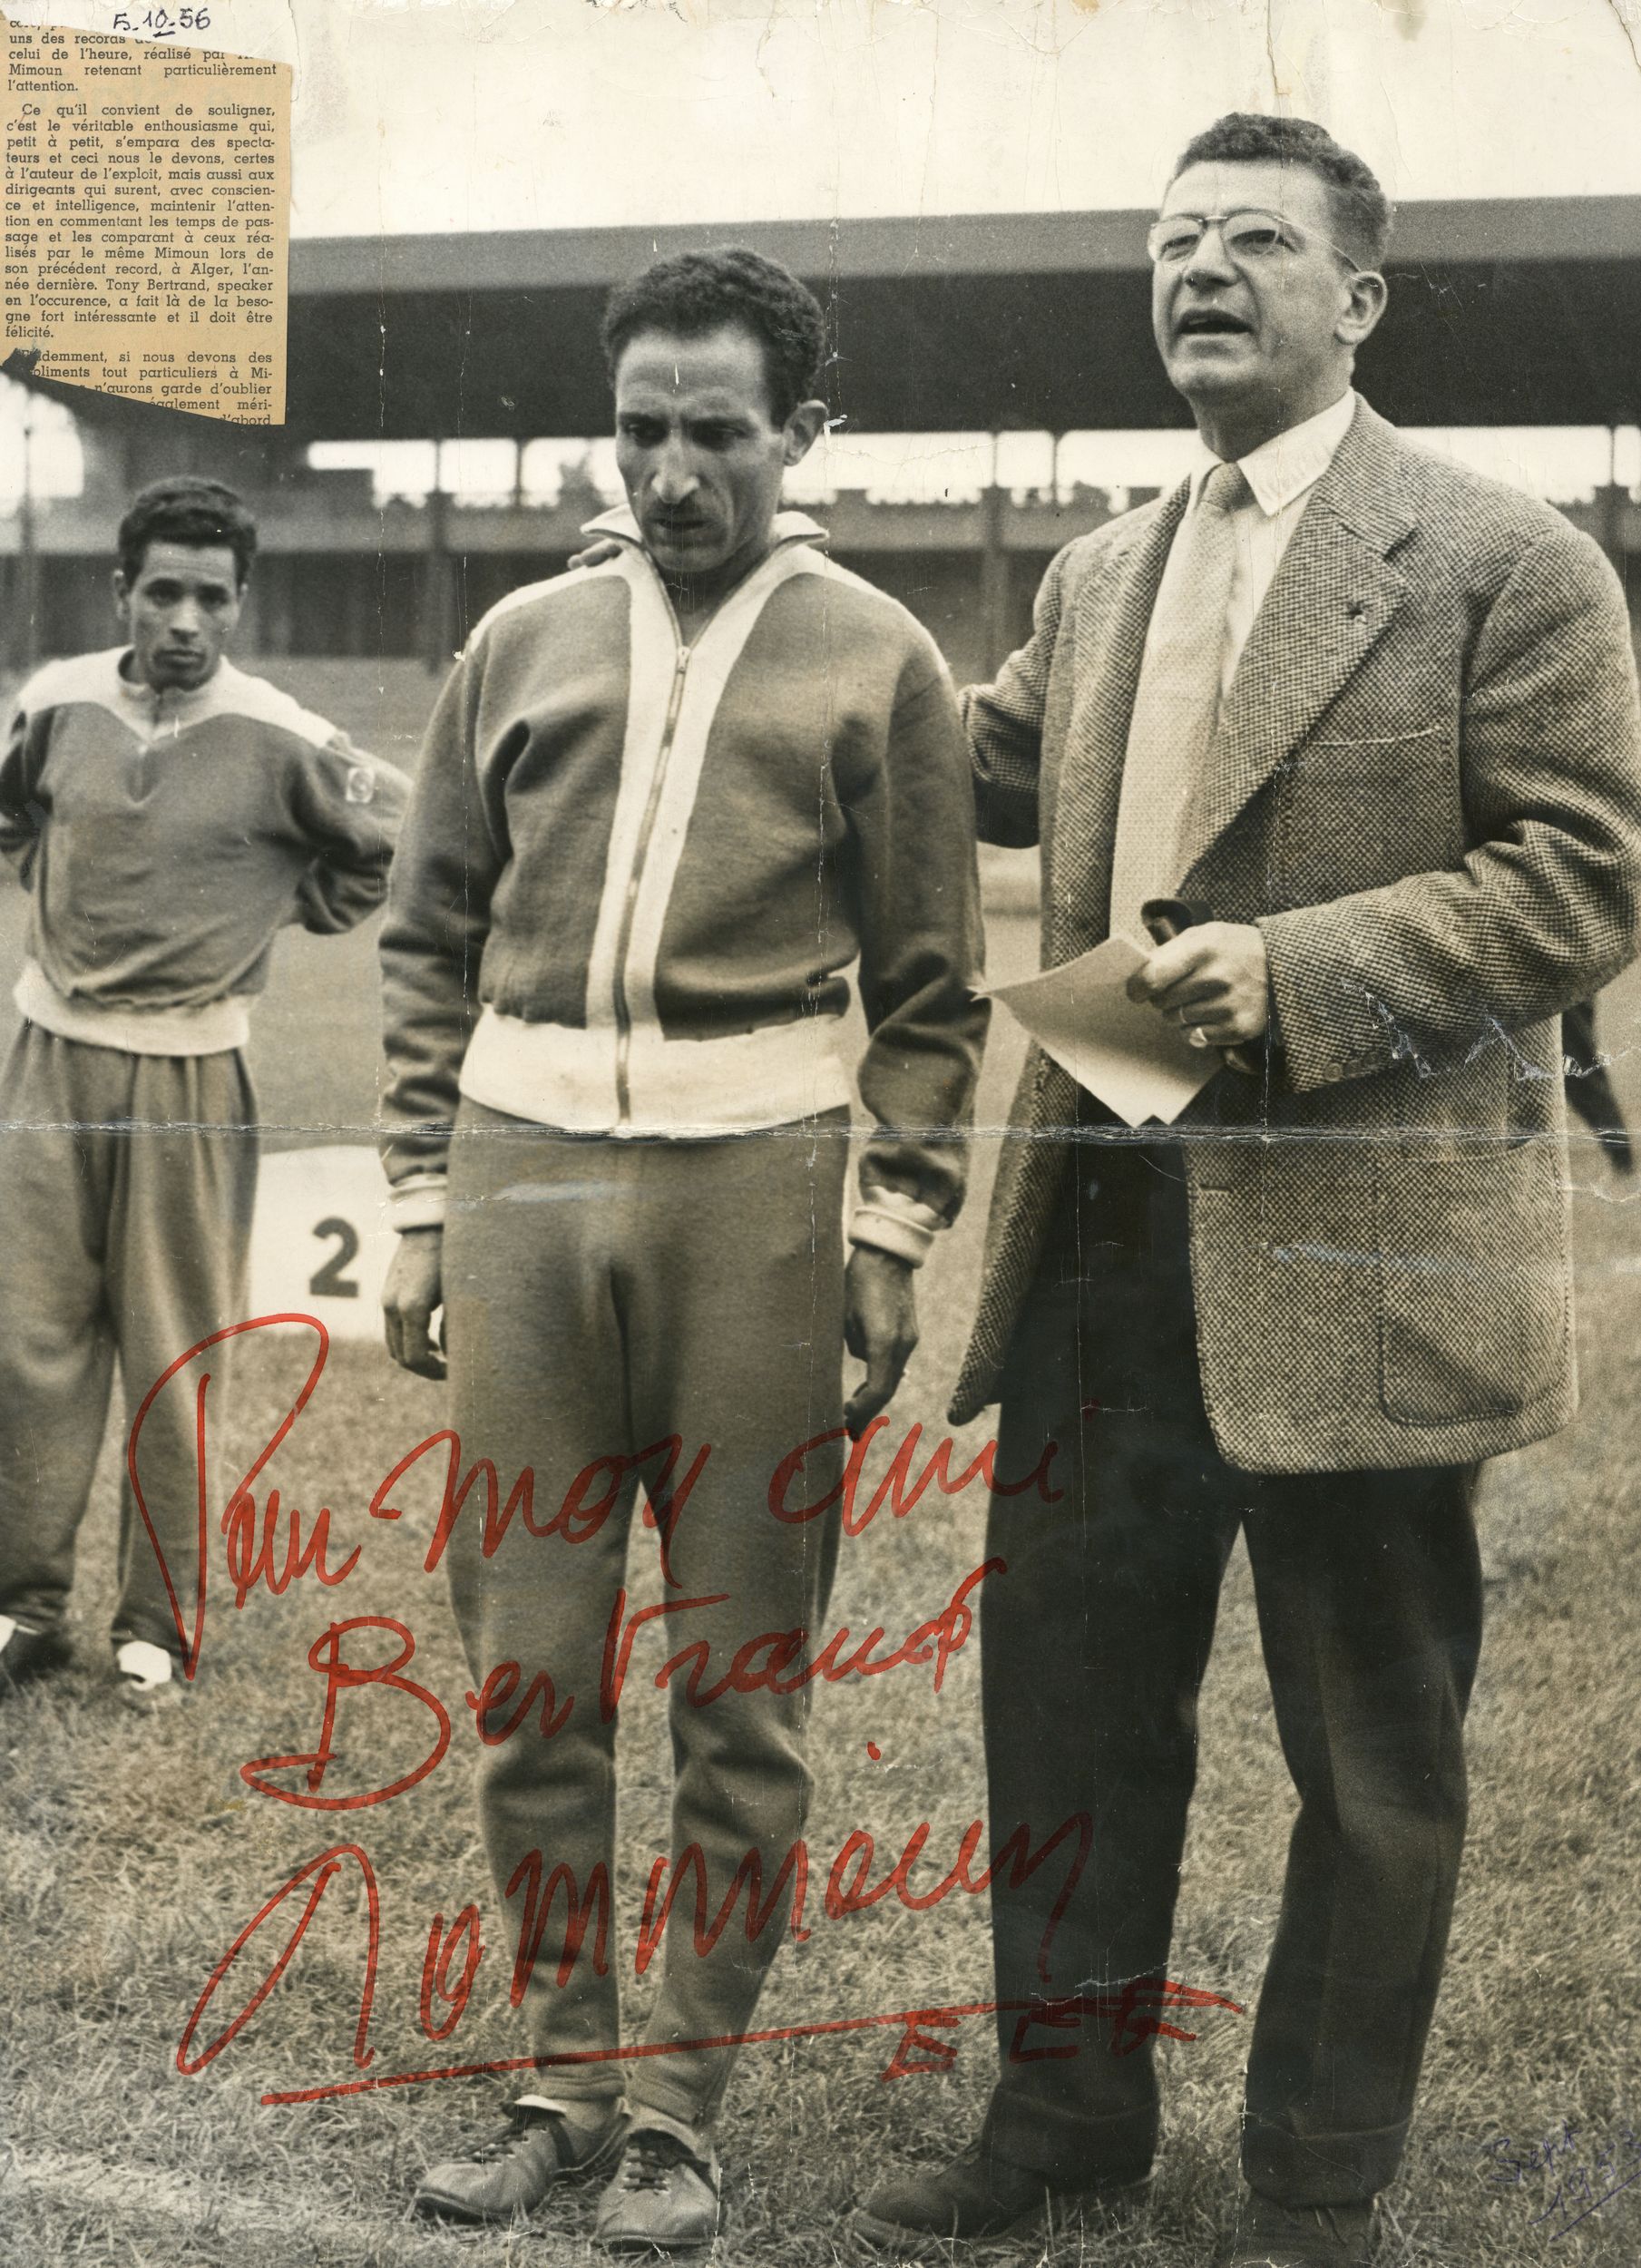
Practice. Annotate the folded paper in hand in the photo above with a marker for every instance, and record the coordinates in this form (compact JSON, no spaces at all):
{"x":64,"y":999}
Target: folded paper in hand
{"x":1134,"y":1060}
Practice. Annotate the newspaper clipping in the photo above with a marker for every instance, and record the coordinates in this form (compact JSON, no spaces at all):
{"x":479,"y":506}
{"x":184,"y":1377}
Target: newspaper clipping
{"x":147,"y":212}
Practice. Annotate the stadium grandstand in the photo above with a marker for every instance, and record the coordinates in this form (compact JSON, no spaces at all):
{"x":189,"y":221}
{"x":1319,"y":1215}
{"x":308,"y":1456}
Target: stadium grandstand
{"x":1001,"y":325}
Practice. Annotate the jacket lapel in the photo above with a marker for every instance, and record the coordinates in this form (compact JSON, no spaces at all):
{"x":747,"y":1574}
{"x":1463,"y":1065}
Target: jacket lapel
{"x":1110,"y":636}
{"x":1330,"y":602}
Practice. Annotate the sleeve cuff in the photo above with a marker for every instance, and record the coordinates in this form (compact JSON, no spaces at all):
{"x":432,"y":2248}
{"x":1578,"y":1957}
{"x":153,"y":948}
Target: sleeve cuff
{"x":418,"y":1203}
{"x":890,"y":1221}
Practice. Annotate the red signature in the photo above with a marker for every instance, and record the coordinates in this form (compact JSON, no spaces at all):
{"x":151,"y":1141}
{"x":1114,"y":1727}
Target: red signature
{"x":1130,"y":2009}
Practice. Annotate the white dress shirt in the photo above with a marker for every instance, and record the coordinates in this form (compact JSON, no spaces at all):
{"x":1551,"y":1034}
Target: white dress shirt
{"x":1281,"y":473}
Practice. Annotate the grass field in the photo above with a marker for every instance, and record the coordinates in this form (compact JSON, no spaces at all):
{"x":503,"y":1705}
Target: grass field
{"x":134,"y":1853}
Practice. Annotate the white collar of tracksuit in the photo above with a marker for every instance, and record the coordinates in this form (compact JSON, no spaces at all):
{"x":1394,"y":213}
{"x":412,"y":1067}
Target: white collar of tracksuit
{"x":789,"y":530}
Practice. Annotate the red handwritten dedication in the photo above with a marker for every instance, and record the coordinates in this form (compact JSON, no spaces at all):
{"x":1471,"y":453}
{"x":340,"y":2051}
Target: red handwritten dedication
{"x":380,"y":1730}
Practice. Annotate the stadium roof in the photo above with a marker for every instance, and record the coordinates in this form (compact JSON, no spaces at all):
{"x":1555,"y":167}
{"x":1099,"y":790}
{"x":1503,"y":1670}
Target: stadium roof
{"x":1521,"y":312}
{"x":1513,"y":311}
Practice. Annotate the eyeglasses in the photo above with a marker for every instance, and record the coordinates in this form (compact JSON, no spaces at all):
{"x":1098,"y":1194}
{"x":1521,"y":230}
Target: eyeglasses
{"x":1249,"y":236}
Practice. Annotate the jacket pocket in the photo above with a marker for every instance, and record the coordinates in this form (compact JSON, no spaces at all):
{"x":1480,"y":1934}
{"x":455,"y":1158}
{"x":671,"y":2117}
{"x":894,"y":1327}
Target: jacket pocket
{"x":1323,"y":849}
{"x":1475,"y":1310}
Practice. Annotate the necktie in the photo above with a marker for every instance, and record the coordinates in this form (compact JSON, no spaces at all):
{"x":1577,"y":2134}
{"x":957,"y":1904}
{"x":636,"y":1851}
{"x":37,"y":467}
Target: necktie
{"x":1176,"y":701}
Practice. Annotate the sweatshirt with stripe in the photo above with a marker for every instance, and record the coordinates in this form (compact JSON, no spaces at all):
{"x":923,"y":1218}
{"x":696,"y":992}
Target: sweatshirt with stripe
{"x":635,"y":875}
{"x":166,"y":836}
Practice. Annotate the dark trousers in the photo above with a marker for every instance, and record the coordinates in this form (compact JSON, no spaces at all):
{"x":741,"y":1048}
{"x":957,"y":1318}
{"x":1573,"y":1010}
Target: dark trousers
{"x":1368,"y":1596}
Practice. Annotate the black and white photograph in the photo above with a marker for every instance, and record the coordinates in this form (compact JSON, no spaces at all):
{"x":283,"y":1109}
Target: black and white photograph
{"x":822,"y":1255}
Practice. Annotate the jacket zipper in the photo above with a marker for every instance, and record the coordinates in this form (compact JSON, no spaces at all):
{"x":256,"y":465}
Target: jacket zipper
{"x":623,"y":945}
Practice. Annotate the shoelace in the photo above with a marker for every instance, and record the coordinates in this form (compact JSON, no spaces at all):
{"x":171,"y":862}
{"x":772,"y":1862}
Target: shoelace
{"x":650,"y":2160}
{"x":511,"y":2138}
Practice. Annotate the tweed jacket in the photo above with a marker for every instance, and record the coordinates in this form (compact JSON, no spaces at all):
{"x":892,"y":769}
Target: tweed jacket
{"x":1425,"y":790}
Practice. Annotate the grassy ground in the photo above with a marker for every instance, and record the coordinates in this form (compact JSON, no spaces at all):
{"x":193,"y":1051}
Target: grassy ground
{"x":134,"y":1853}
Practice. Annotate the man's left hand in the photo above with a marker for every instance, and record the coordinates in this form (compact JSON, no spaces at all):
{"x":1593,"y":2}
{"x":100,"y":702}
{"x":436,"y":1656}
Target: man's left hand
{"x":880,"y":1327}
{"x":1212,"y":980}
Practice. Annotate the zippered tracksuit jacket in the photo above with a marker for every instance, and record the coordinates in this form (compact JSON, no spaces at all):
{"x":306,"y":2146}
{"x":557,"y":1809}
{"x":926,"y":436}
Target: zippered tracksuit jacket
{"x":633,"y":879}
{"x":165,"y":838}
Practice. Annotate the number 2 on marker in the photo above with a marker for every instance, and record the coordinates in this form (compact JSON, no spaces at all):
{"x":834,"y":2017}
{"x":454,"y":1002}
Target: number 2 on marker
{"x":330,"y":1282}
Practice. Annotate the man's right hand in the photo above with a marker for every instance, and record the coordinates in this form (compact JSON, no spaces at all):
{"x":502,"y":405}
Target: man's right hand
{"x":414,"y":1289}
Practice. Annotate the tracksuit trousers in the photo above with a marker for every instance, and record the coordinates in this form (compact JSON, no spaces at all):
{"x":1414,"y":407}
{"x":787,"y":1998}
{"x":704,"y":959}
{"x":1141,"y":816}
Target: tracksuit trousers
{"x":127,"y":1184}
{"x":1369,"y":1600}
{"x":605,"y":1300}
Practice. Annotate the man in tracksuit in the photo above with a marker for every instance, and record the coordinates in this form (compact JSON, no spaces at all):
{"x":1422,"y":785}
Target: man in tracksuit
{"x":168,"y":816}
{"x":664,"y":804}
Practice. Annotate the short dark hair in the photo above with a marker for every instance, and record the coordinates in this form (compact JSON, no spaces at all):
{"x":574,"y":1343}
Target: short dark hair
{"x":186,"y":508}
{"x":693,"y":293}
{"x":1362,"y":211}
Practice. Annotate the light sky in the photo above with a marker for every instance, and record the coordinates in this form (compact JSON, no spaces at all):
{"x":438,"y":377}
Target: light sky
{"x":454,"y":114}
{"x":547,"y":114}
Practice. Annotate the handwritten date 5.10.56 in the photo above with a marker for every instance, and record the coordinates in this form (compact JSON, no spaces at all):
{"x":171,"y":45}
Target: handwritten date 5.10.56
{"x":160,"y":23}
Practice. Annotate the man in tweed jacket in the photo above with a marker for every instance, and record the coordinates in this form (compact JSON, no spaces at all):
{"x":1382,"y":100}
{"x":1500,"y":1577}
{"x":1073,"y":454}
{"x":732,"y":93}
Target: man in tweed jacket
{"x":1338,"y":1284}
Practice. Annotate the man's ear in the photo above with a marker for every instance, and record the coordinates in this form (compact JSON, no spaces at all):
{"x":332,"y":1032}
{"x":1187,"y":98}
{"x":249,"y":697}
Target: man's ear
{"x":121,"y":593}
{"x":803,"y":429}
{"x":1369,"y":293}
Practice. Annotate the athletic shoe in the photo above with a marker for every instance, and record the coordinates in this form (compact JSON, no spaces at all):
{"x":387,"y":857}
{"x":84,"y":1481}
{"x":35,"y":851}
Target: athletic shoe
{"x":26,"y":1655}
{"x":664,"y":2198}
{"x":1302,"y":2236}
{"x":544,"y":2143}
{"x":977,"y":2194}
{"x":148,"y":1677}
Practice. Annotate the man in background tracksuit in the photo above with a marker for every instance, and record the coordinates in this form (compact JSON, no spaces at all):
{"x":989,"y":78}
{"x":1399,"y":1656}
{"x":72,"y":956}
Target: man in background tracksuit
{"x":168,"y":816}
{"x":664,"y":804}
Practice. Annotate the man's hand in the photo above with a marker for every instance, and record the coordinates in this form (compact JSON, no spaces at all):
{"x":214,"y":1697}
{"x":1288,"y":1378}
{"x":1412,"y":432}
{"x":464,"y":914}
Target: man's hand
{"x":413,"y":1291}
{"x":880,"y":1327}
{"x":601,"y":548}
{"x":1212,"y":980}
